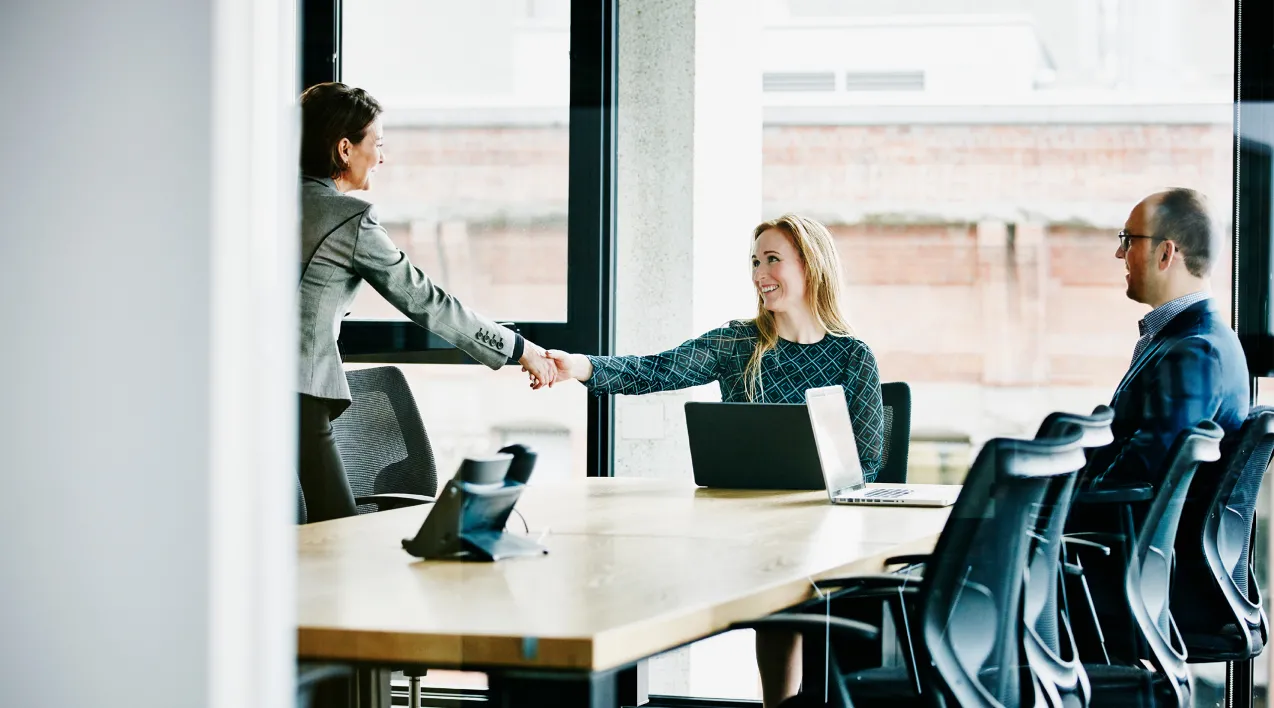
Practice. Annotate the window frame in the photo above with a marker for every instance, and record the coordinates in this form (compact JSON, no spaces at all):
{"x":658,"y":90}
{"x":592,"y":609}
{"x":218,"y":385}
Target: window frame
{"x":1253,"y":84}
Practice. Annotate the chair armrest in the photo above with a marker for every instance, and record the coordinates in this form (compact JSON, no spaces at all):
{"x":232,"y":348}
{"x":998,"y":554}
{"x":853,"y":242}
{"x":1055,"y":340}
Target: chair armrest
{"x":1071,"y":540}
{"x":891,"y":581}
{"x":394,"y":500}
{"x":844,"y":628}
{"x":1117,"y":495}
{"x":908,"y":559}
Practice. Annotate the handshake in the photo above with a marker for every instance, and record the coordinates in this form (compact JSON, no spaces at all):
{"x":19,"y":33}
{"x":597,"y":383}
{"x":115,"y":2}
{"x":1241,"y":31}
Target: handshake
{"x":548,"y":367}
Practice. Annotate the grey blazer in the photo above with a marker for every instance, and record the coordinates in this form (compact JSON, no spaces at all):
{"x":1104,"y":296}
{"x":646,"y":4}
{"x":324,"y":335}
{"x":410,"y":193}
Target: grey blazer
{"x":342,"y":245}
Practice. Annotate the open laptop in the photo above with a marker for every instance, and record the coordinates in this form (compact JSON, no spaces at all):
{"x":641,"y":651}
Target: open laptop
{"x":752,"y":446}
{"x":838,"y":458}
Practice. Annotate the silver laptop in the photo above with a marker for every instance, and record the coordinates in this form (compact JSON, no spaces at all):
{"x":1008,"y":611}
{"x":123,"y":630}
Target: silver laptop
{"x":838,"y":458}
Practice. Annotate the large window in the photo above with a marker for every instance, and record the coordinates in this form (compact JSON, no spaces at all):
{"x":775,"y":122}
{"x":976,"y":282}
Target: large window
{"x":974,"y":161}
{"x":474,"y":190}
{"x":494,"y":130}
{"x":474,"y":187}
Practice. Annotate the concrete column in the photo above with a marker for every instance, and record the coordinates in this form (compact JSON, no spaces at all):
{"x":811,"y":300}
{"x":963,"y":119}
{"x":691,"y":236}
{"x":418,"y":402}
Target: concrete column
{"x":993,"y":281}
{"x":1013,"y":279}
{"x":456,"y":251}
{"x":1030,"y":259}
{"x":689,"y":188}
{"x":689,"y":194}
{"x":423,"y":234}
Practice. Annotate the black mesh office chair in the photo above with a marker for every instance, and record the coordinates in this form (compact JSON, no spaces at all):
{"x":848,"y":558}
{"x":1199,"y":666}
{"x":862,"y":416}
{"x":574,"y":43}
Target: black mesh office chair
{"x":1217,"y":617}
{"x":389,"y":464}
{"x":383,"y":444}
{"x":969,"y":601}
{"x":896,"y":397}
{"x":1047,"y":638}
{"x":1140,"y":619}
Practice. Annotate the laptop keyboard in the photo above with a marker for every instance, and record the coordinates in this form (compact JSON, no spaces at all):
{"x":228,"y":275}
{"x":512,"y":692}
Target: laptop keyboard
{"x":886,"y":493}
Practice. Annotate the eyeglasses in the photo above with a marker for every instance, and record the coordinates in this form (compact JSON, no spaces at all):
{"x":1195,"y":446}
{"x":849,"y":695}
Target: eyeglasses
{"x":1125,"y":239}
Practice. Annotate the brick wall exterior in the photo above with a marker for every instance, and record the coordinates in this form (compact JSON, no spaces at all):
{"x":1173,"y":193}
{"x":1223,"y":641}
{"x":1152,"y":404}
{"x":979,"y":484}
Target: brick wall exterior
{"x":975,"y":256}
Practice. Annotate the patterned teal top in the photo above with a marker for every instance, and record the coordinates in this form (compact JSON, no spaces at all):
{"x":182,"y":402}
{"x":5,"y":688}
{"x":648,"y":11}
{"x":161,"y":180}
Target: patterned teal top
{"x":786,"y":372}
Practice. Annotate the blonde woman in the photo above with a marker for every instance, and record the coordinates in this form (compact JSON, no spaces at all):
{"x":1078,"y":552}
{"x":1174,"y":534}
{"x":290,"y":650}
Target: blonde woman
{"x":798,"y":340}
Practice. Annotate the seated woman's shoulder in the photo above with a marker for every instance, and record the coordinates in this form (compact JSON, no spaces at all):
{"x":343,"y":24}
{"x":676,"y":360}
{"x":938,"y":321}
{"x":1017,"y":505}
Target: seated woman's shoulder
{"x":732,"y":334}
{"x":743,"y":329}
{"x":854,"y":345}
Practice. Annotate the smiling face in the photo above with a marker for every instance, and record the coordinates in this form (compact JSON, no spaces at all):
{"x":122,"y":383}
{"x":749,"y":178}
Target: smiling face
{"x":778,"y":273}
{"x":362,"y":158}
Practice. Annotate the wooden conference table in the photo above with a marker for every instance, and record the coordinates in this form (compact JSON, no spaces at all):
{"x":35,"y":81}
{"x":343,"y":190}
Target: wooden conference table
{"x":635,"y":567}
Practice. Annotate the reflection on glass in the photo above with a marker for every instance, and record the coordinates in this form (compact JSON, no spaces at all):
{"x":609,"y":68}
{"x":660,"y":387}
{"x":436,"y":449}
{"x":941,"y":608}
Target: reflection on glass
{"x":474,"y":186}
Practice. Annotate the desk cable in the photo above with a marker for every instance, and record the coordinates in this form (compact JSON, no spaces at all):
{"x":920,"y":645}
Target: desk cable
{"x":906,"y":629}
{"x":827,"y":636}
{"x":526,"y":529}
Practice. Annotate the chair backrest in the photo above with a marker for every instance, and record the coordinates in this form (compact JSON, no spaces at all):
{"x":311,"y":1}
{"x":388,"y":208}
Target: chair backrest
{"x":896,"y":398}
{"x":1148,"y":578}
{"x":1220,"y":621}
{"x":971,"y":594}
{"x":1229,"y":532}
{"x":1049,"y":644}
{"x":381,"y":438}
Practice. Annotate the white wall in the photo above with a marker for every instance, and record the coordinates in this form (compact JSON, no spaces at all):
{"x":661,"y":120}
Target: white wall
{"x":145,"y":554}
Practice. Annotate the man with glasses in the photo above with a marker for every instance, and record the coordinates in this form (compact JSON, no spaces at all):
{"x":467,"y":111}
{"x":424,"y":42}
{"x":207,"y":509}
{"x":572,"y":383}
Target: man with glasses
{"x":1188,"y":365}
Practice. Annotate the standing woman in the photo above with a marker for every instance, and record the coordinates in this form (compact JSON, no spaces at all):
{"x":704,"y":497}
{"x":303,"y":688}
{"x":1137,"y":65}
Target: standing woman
{"x":798,"y":340}
{"x":342,"y":245}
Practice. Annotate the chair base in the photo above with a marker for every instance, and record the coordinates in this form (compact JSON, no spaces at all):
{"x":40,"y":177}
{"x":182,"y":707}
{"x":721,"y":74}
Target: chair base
{"x":1128,"y":687}
{"x":888,"y":687}
{"x":1228,"y":644}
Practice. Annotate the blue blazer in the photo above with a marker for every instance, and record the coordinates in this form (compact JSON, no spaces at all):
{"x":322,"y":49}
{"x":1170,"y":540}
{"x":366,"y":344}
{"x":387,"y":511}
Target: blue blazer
{"x":1192,"y":370}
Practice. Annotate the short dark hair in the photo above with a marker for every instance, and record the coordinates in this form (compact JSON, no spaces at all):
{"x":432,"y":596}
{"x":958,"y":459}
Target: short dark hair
{"x":1181,"y":216}
{"x":329,"y":112}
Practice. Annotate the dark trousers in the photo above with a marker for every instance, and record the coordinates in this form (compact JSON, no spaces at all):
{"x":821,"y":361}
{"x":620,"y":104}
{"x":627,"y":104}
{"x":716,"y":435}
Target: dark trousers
{"x":323,"y":481}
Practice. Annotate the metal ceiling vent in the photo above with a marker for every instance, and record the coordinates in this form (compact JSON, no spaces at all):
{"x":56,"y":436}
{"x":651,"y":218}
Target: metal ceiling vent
{"x":774,"y":81}
{"x":885,"y":81}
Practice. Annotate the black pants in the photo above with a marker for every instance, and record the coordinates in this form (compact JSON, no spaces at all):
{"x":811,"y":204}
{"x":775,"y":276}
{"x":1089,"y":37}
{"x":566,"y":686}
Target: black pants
{"x":323,"y":482}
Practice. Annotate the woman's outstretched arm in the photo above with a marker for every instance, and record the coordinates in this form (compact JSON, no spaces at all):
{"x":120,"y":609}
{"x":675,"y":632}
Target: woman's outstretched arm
{"x":693,"y":363}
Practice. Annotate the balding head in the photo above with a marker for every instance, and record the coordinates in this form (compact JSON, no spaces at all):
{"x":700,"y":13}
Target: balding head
{"x":1181,"y":216}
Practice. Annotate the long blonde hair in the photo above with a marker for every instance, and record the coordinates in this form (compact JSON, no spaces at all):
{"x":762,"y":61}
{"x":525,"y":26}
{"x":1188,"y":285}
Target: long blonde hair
{"x":822,"y":289}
